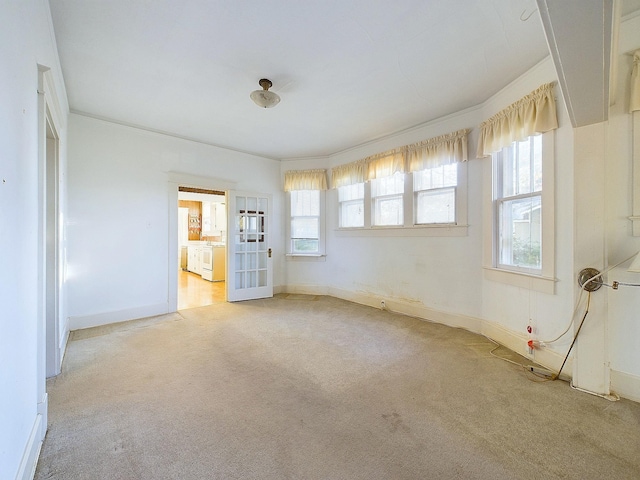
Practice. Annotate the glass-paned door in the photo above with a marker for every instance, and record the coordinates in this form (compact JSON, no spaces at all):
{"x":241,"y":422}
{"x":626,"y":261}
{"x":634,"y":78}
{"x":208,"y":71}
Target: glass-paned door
{"x":249,"y":266}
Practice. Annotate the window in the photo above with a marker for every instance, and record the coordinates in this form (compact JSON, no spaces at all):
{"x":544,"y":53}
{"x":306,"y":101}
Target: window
{"x":430,"y":202}
{"x":413,"y":190}
{"x":518,"y":184}
{"x":387,"y":199}
{"x":351,"y":205}
{"x":306,"y":228}
{"x":434,"y":193}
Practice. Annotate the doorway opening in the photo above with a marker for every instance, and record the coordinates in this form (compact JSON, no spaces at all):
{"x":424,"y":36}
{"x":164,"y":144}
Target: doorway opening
{"x":51,"y":251}
{"x":202,"y":241}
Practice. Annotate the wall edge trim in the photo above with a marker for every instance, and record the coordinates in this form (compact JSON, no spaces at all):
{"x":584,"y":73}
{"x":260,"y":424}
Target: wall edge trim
{"x":625,"y":385}
{"x":29,"y":461}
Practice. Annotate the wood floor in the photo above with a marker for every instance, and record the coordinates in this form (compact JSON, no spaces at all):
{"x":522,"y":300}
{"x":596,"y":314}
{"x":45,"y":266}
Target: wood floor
{"x":193,"y":291}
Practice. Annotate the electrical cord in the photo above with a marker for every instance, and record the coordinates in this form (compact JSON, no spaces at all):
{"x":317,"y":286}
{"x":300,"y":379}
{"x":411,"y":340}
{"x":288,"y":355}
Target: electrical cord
{"x":582,"y":290}
{"x":527,"y":368}
{"x":575,"y":337}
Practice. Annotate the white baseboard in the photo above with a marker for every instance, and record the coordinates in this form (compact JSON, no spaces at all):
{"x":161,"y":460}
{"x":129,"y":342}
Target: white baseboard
{"x":63,"y":342}
{"x":405,"y":307}
{"x":96,"y":320}
{"x":27,"y":469}
{"x":517,"y":342}
{"x":626,"y":385}
{"x":305,"y":289}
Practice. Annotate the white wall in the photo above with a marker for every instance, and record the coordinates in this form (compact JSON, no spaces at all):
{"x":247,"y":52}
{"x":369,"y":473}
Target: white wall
{"x":119,"y":227}
{"x":441,"y":278}
{"x":624,"y":304}
{"x":26,"y":40}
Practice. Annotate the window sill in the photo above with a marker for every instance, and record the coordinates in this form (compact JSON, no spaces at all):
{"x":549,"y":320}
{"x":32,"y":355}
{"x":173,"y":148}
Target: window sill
{"x":306,"y":257}
{"x":402,"y":231}
{"x":538,"y":283}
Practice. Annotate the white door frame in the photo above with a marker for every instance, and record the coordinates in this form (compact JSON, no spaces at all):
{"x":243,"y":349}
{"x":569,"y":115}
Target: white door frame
{"x":176,"y":180}
{"x":52,"y":329}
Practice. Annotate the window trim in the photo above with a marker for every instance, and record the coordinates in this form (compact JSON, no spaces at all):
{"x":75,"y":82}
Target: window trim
{"x":321,"y":228}
{"x":545,"y":280}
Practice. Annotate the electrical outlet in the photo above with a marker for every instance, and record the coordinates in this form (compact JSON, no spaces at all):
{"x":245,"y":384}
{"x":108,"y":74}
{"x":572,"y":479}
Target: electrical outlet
{"x":529,"y":349}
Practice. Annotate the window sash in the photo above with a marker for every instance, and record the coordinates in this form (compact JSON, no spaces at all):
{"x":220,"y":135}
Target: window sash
{"x":520,"y":239}
{"x":435,"y":183}
{"x":426,"y":215}
{"x":388,"y":210}
{"x":349,"y":218}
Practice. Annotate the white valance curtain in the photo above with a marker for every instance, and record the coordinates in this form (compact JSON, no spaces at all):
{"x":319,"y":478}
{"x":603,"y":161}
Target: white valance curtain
{"x":534,"y":113}
{"x":442,"y":150}
{"x":634,"y":103}
{"x":305,"y":180}
{"x":349,"y":174}
{"x":385,"y":164}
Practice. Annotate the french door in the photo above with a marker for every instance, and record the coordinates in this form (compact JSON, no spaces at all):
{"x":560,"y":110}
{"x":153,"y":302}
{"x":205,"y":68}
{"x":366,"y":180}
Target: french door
{"x":249,"y":265}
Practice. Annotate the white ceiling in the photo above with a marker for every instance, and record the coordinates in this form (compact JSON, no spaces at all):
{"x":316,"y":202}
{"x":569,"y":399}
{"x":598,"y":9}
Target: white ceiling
{"x":348,"y":71}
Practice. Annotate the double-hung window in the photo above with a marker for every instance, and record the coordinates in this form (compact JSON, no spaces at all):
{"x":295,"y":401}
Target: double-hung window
{"x":305,"y":221}
{"x":387,"y":200}
{"x":517,"y":171}
{"x":434,"y":195}
{"x":306,"y":197}
{"x":351,"y":205}
{"x":519,"y":222}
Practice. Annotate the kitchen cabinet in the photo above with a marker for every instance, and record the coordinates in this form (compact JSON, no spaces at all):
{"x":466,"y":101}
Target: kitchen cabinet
{"x":214,"y":218}
{"x":219,"y":262}
{"x":219,"y":214}
{"x":194,"y":259}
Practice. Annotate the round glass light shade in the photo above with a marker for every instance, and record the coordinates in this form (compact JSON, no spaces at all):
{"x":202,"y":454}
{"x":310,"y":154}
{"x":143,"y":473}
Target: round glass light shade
{"x":265,"y":98}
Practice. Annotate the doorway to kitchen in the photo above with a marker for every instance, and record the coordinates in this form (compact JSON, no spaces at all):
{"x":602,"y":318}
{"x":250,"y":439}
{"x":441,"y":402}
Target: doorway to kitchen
{"x":202,"y":239}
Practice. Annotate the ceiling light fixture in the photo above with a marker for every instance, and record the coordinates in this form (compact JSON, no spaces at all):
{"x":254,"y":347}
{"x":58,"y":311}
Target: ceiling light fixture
{"x":264,"y":98}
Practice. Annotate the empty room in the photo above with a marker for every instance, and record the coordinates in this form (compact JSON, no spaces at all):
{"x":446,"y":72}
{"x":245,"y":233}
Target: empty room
{"x":320,"y":240}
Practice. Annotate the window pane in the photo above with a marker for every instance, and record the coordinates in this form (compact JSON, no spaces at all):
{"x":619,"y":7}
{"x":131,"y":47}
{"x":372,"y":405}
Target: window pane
{"x":509,"y":173}
{"x":389,"y":211}
{"x":442,"y":176}
{"x":351,"y":192}
{"x":305,"y":203}
{"x":436,"y":206}
{"x":352,"y":214}
{"x":388,"y":185}
{"x":537,"y":163}
{"x":520,"y":232}
{"x":524,"y":167}
{"x":305,"y":245}
{"x":302,"y":227}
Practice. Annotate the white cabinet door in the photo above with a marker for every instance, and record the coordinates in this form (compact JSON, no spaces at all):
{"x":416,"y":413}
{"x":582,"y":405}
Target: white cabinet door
{"x":194,"y":259}
{"x":191,"y":258}
{"x":221,"y":217}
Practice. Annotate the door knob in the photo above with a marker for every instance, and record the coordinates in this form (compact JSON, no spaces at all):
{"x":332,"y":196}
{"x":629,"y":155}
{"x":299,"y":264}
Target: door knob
{"x":269,"y":253}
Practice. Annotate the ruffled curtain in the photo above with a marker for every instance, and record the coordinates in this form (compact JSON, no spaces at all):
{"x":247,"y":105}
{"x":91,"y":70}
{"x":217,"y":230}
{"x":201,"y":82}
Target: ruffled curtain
{"x":305,"y":180}
{"x":535,"y":113}
{"x":349,"y":174}
{"x":442,"y":150}
{"x":634,"y":103}
{"x":385,"y":164}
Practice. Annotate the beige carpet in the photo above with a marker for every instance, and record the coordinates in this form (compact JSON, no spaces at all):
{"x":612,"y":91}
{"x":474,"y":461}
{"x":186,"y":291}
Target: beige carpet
{"x":318,"y":388}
